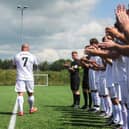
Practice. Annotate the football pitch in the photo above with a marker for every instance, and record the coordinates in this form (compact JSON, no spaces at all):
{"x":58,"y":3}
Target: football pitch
{"x":53,"y":111}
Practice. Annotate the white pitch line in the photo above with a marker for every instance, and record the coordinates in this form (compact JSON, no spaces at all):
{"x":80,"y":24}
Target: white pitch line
{"x":13,"y":117}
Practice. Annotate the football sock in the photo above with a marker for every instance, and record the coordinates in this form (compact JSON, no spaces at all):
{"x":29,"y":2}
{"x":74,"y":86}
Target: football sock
{"x":120,"y":114}
{"x":128,"y":117}
{"x":20,"y":101}
{"x":103,"y":108}
{"x":108,"y":105}
{"x":92,"y":96}
{"x":125,"y":119}
{"x":74,"y":99}
{"x":85,"y":95}
{"x":96,"y":99}
{"x":115,"y":114}
{"x":31,"y":101}
{"x":77,"y":99}
{"x":118,"y":118}
{"x":90,"y":100}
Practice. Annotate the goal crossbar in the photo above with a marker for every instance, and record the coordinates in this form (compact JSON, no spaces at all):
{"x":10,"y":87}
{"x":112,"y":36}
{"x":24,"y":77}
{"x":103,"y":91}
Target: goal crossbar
{"x":41,"y":76}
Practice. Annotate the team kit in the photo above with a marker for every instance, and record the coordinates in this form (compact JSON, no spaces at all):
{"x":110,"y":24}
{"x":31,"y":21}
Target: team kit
{"x":105,"y":78}
{"x":106,"y":73}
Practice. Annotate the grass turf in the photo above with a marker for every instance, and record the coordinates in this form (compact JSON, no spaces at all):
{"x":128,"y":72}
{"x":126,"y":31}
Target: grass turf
{"x":53,"y":111}
{"x":7,"y":101}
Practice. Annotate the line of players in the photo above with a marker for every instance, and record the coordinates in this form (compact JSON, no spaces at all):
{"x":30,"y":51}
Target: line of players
{"x":108,"y":64}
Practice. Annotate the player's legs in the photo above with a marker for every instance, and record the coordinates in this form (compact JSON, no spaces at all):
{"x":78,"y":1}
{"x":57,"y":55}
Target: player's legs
{"x":72,"y":90}
{"x":20,"y":101}
{"x":32,"y":109}
{"x":30,"y":92}
{"x":125,"y":117}
{"x":20,"y":89}
{"x":96,"y":96}
{"x":75,"y":83}
{"x":30,"y":100}
{"x":86,"y":95}
{"x":108,"y":105}
{"x":127,"y":106}
{"x":102,"y":102}
{"x":77,"y":98}
{"x":102,"y":106}
{"x":117,"y":111}
{"x":106,"y":98}
{"x":94,"y":91}
{"x":128,"y":114}
{"x":95,"y":99}
{"x":124,"y":101}
{"x":90,"y":99}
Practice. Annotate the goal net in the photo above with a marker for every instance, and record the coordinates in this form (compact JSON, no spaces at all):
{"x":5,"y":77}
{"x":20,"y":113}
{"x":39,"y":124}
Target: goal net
{"x":41,"y":79}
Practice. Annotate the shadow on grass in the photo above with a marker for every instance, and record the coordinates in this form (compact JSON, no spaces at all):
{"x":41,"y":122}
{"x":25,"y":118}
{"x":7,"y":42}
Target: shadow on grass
{"x":76,"y":118}
{"x":6,"y":113}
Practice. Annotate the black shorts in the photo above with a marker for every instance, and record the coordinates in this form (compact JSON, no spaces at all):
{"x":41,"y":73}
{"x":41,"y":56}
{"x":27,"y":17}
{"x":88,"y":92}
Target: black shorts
{"x":75,"y":83}
{"x":85,"y":84}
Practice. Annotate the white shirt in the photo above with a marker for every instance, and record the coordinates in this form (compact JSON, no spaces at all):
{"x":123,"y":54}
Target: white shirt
{"x":119,"y":71}
{"x":97,"y":73}
{"x":127,"y":59}
{"x":97,"y":59}
{"x":109,"y":75}
{"x":24,"y":62}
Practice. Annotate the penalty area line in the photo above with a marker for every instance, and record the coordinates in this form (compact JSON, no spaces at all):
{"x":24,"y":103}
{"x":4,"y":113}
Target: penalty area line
{"x":13,"y":117}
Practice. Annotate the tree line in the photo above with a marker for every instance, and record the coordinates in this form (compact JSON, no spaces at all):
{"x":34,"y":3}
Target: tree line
{"x":43,"y":66}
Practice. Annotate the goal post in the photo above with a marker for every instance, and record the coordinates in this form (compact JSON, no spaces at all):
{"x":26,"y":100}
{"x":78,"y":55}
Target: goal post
{"x":41,"y":79}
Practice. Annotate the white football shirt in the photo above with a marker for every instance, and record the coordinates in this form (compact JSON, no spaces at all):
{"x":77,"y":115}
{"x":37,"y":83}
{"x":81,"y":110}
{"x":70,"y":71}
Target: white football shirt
{"x":24,"y":62}
{"x":98,"y":60}
{"x":109,"y":75}
{"x":119,"y":71}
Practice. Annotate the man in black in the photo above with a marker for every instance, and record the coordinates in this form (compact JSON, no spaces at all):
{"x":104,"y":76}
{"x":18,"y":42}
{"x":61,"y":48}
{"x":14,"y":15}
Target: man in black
{"x":85,"y":87}
{"x":75,"y":79}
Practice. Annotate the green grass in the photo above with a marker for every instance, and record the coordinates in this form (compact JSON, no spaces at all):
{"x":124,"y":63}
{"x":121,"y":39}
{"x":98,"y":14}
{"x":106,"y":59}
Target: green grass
{"x":53,"y":111}
{"x":7,"y":101}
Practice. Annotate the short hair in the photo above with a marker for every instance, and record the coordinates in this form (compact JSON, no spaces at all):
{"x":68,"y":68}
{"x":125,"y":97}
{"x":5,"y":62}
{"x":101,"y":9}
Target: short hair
{"x":74,"y":52}
{"x":94,"y":41}
{"x":25,"y":45}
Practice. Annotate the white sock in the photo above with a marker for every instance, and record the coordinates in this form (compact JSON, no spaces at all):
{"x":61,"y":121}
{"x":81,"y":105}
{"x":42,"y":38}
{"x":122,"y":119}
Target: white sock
{"x":31,"y":101}
{"x":97,"y":98}
{"x":108,"y":105}
{"x":128,"y":117}
{"x":125,"y":115}
{"x":103,"y":108}
{"x":93,"y":100}
{"x":20,"y":101}
{"x":115,"y":114}
{"x":118,"y":115}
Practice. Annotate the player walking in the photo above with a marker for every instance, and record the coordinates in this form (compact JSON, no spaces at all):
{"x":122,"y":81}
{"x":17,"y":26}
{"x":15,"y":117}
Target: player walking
{"x":24,"y":62}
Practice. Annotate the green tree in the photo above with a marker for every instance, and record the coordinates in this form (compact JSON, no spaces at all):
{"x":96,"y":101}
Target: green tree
{"x":44,"y":66}
{"x":58,"y":65}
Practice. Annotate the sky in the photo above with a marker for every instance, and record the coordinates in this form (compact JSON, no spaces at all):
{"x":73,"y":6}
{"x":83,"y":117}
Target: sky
{"x":53,"y":28}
